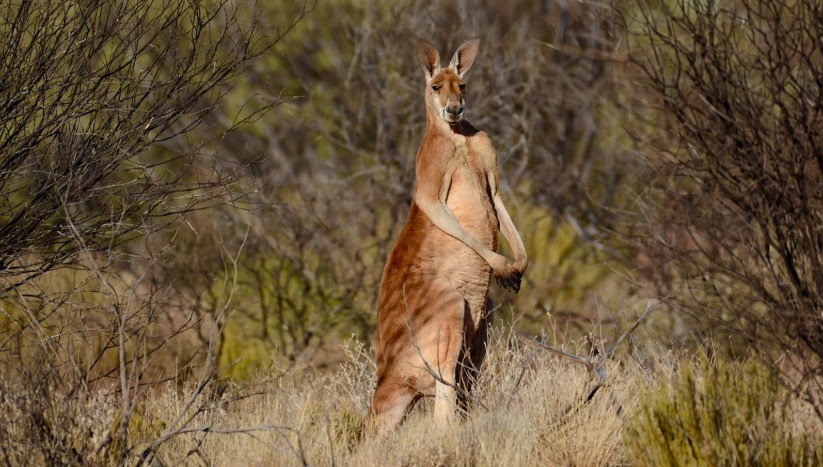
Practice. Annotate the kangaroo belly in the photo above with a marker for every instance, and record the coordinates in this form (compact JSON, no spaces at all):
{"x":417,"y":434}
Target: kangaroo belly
{"x":471,"y":204}
{"x":424,"y":260}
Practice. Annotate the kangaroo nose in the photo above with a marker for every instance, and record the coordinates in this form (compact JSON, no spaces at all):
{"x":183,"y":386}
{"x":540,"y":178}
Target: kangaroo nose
{"x":454,"y":111}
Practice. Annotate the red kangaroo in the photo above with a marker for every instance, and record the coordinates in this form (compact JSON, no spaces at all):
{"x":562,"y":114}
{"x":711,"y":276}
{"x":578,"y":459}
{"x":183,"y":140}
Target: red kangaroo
{"x":434,"y":310}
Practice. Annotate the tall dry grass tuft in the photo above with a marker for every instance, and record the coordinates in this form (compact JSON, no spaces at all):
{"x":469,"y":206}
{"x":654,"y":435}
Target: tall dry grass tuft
{"x":528,"y":407}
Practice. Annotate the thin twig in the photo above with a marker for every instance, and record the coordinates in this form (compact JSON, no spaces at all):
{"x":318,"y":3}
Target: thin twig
{"x":595,"y":366}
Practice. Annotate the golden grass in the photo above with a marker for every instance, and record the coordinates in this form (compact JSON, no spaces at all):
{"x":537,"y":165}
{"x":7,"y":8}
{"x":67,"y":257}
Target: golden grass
{"x":529,"y":410}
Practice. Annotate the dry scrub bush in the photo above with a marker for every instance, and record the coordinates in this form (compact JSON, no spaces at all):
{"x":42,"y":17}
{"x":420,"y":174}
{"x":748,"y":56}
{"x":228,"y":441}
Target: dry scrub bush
{"x":86,"y":91}
{"x":97,"y":101}
{"x":734,"y":205}
{"x":82,"y":364}
{"x":41,"y":425}
{"x":720,"y":413}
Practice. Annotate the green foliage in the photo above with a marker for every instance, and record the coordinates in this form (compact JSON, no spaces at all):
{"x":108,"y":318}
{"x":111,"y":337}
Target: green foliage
{"x":286,"y":308}
{"x":719,"y":413}
{"x":87,"y":91}
{"x":241,"y":356}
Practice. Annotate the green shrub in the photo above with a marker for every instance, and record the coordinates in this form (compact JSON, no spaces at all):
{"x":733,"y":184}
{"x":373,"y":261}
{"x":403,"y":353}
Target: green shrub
{"x":720,"y":413}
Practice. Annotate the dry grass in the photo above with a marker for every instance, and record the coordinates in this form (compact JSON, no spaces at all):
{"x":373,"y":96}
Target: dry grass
{"x":529,"y":409}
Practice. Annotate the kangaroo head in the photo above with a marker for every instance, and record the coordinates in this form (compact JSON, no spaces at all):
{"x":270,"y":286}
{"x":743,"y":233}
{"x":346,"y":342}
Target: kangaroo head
{"x":445,"y":89}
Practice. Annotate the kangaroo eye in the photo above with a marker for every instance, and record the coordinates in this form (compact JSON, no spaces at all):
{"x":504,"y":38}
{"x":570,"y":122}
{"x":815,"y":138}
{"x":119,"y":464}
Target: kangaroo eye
{"x":436,"y":87}
{"x":462,"y":87}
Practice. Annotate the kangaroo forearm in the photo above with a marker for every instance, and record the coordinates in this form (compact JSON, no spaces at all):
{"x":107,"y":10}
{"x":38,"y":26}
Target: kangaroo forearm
{"x":510,"y":231}
{"x":440,"y":216}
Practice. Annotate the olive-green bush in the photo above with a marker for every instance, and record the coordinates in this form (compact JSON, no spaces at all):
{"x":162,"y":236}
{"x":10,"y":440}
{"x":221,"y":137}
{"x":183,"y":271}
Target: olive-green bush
{"x":721,"y":413}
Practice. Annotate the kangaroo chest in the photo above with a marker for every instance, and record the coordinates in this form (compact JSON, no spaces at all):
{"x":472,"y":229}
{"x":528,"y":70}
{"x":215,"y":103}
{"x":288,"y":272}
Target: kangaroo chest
{"x":468,"y":174}
{"x":469,"y":197}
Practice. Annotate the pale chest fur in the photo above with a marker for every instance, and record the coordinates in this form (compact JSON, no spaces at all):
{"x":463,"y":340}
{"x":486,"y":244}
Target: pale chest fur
{"x":470,"y":202}
{"x":469,"y":196}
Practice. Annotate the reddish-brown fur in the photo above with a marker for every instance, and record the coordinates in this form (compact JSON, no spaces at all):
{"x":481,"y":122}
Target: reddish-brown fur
{"x":433,"y":310}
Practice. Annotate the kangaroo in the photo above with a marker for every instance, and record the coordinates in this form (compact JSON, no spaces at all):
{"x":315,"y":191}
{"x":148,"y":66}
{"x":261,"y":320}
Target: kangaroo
{"x":433,"y":307}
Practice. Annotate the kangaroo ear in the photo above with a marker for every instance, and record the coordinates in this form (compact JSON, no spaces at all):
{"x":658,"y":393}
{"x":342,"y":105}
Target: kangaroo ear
{"x":429,"y":57}
{"x":464,"y":57}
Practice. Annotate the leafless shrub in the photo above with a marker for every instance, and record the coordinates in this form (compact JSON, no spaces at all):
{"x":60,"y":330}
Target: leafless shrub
{"x":735,"y":205}
{"x":42,"y":425}
{"x":97,"y":101}
{"x":85,"y":91}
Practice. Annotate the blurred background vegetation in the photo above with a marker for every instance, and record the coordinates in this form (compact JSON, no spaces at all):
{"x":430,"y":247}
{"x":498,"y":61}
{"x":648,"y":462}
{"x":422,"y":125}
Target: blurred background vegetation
{"x":298,"y":167}
{"x":335,"y":166}
{"x":208,"y":191}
